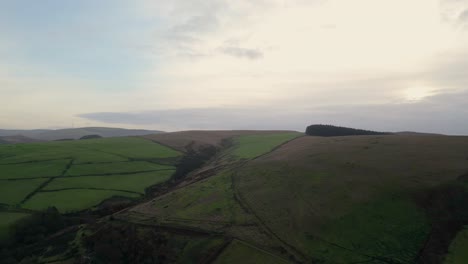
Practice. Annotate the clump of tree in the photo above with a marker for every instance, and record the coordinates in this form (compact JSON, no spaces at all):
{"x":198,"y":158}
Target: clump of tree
{"x":336,"y":131}
{"x":90,"y":137}
{"x":193,"y":159}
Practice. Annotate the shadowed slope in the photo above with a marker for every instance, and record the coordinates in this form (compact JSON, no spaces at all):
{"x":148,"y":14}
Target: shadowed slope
{"x":351,"y":198}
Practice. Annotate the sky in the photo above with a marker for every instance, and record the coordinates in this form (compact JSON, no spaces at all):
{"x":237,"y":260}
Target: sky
{"x":389,"y":65}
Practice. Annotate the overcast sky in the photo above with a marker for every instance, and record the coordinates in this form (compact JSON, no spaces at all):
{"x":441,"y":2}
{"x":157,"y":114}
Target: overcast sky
{"x":388,"y":65}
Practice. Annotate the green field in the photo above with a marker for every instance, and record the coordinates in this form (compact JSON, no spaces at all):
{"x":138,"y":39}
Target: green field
{"x":128,"y":147}
{"x":73,"y":200}
{"x":338,"y":200}
{"x":458,"y":251}
{"x":251,"y":146}
{"x":129,"y":182}
{"x":13,"y":192}
{"x":33,"y":170}
{"x":6,"y":220}
{"x":115,"y":168}
{"x":240,"y":252}
{"x":205,"y":203}
{"x":87,"y":151}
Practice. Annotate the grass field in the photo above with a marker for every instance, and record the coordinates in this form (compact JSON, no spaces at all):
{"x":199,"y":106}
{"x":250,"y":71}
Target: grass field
{"x":251,"y":146}
{"x":33,"y":170}
{"x":458,"y":252}
{"x":6,"y":220}
{"x":311,"y":200}
{"x":240,"y":252}
{"x":115,"y":168}
{"x":129,"y":182}
{"x":208,"y":201}
{"x":84,"y":151}
{"x":73,"y":200}
{"x":129,"y":147}
{"x":13,"y":192}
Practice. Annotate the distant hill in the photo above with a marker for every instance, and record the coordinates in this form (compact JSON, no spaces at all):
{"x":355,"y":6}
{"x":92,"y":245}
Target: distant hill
{"x":412,"y":133}
{"x":336,"y":131}
{"x":76,"y":133}
{"x":90,"y":137}
{"x":16,"y":139}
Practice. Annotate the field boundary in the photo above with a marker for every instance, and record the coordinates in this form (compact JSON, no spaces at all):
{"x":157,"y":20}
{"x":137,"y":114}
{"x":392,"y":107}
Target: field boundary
{"x":35,"y":161}
{"x":90,"y":188}
{"x":45,"y":183}
{"x":117,"y":173}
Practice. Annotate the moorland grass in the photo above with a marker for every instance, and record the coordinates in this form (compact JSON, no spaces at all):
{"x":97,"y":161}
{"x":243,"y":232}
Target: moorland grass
{"x":251,"y":146}
{"x":240,"y":252}
{"x":72,"y":200}
{"x":13,"y":192}
{"x":208,"y":200}
{"x":129,"y":182}
{"x":393,"y":228}
{"x":354,"y":192}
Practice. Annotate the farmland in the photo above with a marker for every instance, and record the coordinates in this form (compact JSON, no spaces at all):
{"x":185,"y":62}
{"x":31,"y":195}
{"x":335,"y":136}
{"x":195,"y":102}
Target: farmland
{"x":77,"y":175}
{"x":264,"y":197}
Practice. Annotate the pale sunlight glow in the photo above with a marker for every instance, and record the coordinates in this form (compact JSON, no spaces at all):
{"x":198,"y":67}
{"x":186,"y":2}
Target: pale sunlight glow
{"x":417,"y":93}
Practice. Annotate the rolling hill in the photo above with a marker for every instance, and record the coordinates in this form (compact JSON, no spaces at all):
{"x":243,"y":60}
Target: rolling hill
{"x":76,"y":133}
{"x":262,"y":197}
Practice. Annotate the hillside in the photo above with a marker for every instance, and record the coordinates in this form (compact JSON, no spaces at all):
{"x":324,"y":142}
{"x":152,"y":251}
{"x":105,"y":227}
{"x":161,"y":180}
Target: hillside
{"x":76,"y":133}
{"x":263,"y":197}
{"x":16,"y":139}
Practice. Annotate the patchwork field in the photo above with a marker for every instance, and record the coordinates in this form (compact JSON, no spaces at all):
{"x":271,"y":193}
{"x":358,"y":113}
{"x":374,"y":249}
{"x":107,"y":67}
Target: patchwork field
{"x":77,"y":175}
{"x":264,"y":197}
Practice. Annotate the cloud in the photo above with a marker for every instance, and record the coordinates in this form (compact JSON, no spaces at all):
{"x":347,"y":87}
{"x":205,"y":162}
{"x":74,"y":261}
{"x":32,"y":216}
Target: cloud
{"x":238,"y":52}
{"x":438,"y":114}
{"x":463,"y":17}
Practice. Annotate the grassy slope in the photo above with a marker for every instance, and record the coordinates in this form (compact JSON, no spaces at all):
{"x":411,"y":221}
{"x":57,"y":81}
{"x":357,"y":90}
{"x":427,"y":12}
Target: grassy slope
{"x":240,"y":252}
{"x":6,"y":220}
{"x":458,"y":252}
{"x":210,"y":204}
{"x":207,"y":200}
{"x":251,"y":146}
{"x":344,"y":199}
{"x":213,"y":199}
{"x":179,"y":140}
{"x":131,"y":182}
{"x":72,"y":200}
